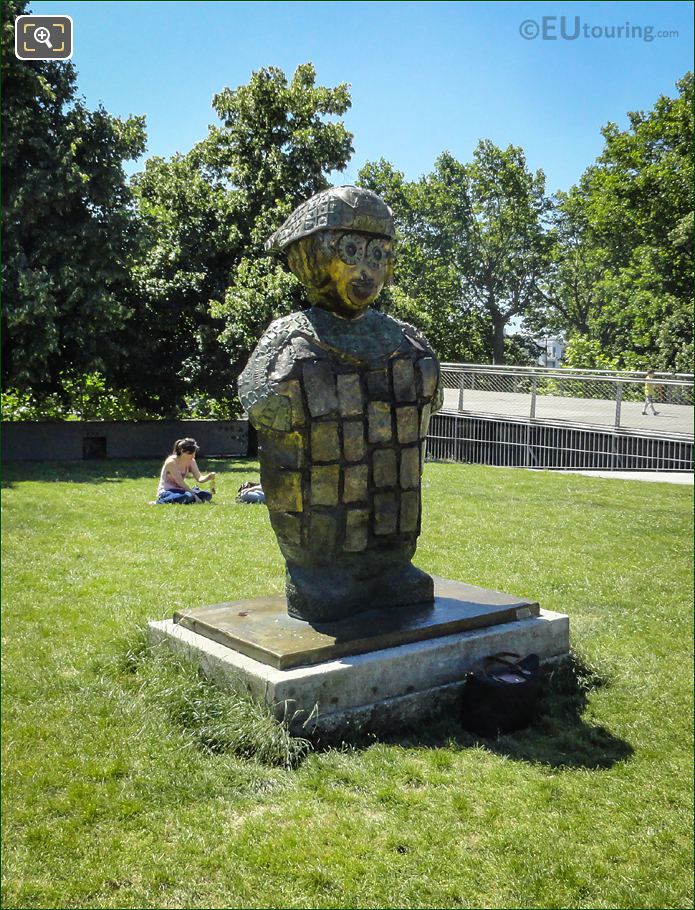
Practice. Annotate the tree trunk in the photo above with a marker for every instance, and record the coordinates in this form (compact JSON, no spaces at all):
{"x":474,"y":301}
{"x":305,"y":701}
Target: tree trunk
{"x":498,"y":324}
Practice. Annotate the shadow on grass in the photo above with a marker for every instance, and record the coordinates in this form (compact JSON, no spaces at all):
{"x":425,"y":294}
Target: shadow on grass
{"x":559,"y":737}
{"x":115,"y":470}
{"x":218,"y":721}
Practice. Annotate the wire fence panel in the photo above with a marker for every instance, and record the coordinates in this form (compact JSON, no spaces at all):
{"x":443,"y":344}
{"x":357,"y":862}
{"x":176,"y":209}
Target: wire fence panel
{"x":494,"y":441}
{"x":581,"y":401}
{"x":599,"y":399}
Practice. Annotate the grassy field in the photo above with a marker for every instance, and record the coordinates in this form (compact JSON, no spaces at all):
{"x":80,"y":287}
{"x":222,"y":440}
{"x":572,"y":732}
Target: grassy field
{"x":120,"y":790}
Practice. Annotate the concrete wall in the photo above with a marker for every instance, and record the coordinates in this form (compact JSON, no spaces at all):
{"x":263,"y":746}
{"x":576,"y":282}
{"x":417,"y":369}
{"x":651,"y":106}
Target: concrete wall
{"x":77,"y":440}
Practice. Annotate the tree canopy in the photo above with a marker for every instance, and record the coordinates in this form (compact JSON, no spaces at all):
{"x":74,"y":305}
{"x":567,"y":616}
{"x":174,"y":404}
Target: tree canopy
{"x":622,"y":265}
{"x":205,"y":289}
{"x":474,"y":246}
{"x":68,"y":222}
{"x":277,"y":149}
{"x":160,"y":286}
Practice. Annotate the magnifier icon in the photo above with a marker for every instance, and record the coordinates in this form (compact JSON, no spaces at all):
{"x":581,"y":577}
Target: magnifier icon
{"x":43,"y":36}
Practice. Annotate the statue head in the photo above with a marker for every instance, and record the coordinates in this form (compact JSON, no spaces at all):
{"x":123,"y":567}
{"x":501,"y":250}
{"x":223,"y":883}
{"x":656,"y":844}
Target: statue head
{"x":339,"y":244}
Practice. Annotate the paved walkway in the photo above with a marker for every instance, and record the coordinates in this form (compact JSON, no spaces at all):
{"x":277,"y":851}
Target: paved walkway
{"x":679,"y":477}
{"x":672,"y":419}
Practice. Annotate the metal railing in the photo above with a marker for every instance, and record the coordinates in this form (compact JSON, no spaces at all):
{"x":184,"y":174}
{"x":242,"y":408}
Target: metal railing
{"x":580,"y":397}
{"x":569,"y":371}
{"x":521,"y":443}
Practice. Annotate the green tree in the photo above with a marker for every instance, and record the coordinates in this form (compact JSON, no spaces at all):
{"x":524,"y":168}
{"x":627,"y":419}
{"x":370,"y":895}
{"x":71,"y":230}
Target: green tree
{"x":475,"y":245}
{"x":426,"y":288}
{"x":570,"y":285}
{"x":189,"y":242}
{"x":277,"y":148}
{"x":622,"y":266}
{"x":206,"y":288}
{"x":502,"y":248}
{"x":68,"y":224}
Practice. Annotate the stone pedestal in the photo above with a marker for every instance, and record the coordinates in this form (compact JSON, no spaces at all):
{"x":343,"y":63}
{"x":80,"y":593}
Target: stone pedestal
{"x":380,"y":668}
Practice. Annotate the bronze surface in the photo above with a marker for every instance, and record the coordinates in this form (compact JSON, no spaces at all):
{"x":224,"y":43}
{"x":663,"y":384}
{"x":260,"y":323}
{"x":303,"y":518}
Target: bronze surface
{"x":262,"y":629}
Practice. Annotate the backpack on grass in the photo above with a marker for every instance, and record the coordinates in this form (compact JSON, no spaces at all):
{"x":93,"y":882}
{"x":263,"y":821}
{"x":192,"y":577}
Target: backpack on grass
{"x":501,"y":696}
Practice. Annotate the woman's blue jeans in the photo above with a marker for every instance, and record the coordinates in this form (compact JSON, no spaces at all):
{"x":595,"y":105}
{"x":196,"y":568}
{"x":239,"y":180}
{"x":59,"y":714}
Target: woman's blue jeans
{"x":184,"y":498}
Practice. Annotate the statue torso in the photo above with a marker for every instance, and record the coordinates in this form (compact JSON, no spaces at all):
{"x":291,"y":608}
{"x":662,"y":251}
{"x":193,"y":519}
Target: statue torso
{"x":342,"y":410}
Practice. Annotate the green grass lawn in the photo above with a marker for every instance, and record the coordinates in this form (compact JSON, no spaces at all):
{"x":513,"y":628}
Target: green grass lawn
{"x":111,"y":799}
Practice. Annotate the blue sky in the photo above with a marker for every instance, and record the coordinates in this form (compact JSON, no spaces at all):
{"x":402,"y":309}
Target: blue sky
{"x":425,"y":76}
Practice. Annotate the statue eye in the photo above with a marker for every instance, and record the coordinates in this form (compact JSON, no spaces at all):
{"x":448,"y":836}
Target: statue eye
{"x":377,"y":253}
{"x":351,"y":248}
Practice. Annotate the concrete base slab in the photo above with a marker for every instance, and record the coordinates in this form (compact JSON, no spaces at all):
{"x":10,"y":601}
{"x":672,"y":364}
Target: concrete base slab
{"x":261,"y":628}
{"x":363,"y":692}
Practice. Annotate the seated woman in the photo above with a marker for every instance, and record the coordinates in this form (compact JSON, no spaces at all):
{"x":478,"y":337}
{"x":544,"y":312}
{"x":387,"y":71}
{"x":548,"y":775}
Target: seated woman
{"x":172,"y":481}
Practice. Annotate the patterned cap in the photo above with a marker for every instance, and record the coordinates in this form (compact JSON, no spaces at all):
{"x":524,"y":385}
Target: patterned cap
{"x":337,"y":208}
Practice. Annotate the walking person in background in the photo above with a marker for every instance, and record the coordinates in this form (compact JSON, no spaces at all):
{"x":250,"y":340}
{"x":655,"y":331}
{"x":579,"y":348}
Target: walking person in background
{"x":173,"y":487}
{"x":649,"y":392}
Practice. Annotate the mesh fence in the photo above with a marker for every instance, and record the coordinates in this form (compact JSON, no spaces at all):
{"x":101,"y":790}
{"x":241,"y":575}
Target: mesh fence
{"x":494,"y":441}
{"x":598,"y":400}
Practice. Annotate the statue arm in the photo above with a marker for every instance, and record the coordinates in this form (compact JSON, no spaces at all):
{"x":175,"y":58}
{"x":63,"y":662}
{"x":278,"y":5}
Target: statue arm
{"x":432,"y":371}
{"x":262,"y":392}
{"x":438,"y":397}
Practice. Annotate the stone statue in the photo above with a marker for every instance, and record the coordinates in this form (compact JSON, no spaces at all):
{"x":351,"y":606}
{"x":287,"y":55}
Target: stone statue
{"x":341,"y":397}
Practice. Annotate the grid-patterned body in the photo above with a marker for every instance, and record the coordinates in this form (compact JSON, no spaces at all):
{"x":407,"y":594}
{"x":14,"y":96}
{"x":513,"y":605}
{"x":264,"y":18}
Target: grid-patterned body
{"x":342,"y":434}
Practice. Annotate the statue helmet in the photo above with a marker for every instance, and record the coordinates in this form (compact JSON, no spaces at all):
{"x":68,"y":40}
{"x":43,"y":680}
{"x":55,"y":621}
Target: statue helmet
{"x":337,"y":208}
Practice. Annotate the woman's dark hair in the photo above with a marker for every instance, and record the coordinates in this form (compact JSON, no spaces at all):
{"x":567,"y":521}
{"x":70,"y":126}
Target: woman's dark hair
{"x":185,"y":445}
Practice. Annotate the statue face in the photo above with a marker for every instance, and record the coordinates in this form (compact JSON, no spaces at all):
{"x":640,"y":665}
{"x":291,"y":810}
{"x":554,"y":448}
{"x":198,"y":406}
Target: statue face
{"x":360,"y":266}
{"x":343,"y":271}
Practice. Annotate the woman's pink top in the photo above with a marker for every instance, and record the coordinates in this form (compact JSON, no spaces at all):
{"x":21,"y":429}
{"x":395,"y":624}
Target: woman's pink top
{"x":167,"y":484}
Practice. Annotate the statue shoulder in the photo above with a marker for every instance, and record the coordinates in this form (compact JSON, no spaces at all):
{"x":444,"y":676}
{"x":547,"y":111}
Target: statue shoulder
{"x":427,"y":362}
{"x":281,"y":330}
{"x":414,"y":336}
{"x":271,"y":360}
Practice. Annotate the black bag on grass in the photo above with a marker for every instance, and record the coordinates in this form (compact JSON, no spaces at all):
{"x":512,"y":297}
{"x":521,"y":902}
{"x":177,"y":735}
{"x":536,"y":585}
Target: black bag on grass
{"x":501,"y":696}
